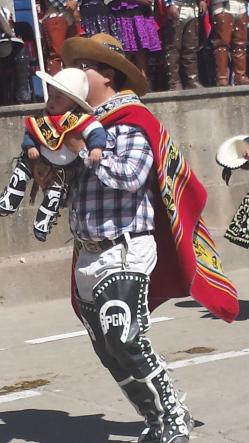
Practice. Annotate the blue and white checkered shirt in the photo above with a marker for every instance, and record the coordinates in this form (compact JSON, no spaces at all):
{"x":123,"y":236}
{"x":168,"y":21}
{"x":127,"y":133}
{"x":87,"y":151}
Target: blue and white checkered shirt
{"x":115,"y":196}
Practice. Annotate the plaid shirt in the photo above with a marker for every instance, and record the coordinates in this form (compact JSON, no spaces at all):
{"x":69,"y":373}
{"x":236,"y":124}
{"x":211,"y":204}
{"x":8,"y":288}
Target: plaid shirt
{"x":115,"y":196}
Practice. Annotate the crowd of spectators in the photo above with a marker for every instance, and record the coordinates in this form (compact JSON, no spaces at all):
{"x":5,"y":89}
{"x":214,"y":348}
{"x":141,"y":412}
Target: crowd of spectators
{"x":177,"y":44}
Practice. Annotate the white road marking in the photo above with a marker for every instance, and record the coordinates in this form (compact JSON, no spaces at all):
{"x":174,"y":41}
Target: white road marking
{"x":36,"y":341}
{"x":208,"y":358}
{"x":18,"y":395}
{"x":134,"y":439}
{"x":173,"y":365}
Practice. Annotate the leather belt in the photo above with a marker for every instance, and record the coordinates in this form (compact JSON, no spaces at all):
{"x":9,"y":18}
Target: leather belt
{"x":98,"y":246}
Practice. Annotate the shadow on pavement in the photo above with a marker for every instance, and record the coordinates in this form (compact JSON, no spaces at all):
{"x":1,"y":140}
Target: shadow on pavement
{"x":48,"y":426}
{"x":243,"y":315}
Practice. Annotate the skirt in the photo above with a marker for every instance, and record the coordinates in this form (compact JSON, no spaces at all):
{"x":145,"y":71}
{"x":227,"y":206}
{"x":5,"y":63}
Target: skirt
{"x":238,"y":230}
{"x":138,"y":28}
{"x":96,"y":17}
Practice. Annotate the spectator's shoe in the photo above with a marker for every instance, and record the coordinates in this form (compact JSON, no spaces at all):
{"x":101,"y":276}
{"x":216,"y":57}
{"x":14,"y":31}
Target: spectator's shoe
{"x":241,"y":80}
{"x":175,"y":86}
{"x":193,"y":84}
{"x":13,"y":194}
{"x":222,"y":81}
{"x":47,"y":213}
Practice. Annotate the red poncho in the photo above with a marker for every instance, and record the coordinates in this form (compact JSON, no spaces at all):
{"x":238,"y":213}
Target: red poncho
{"x":188,"y":263}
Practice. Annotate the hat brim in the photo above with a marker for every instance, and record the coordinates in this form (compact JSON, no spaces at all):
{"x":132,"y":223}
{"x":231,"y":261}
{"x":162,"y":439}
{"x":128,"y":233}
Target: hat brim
{"x":79,"y":47}
{"x":60,"y":87}
{"x":231,"y":153}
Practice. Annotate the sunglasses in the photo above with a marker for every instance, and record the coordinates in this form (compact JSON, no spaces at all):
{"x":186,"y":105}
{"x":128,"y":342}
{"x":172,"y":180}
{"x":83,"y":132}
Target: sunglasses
{"x":85,"y":66}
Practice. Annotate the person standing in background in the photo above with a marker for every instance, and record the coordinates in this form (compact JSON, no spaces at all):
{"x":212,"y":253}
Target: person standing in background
{"x":139,"y":31}
{"x":181,"y":43}
{"x":97,"y":17}
{"x":229,"y":29}
{"x":60,"y":21}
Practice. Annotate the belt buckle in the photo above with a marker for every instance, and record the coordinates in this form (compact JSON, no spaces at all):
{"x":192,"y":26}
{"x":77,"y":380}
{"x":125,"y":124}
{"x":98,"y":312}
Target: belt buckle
{"x":91,"y":246}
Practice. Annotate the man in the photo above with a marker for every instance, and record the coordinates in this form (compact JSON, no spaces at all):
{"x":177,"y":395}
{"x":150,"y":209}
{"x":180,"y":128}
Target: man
{"x":229,"y":29}
{"x":181,"y":42}
{"x":116,"y":208}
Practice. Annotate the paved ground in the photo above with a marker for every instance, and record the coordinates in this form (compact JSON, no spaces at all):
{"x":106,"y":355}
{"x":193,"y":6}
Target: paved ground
{"x":70,"y":398}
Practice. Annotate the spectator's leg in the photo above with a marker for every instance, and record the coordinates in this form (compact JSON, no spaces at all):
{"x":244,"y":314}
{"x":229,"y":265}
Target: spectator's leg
{"x":54,"y":31}
{"x":141,"y":61}
{"x":189,"y":60}
{"x":22,"y":84}
{"x":222,"y":26}
{"x":172,"y":40}
{"x":73,"y":29}
{"x":239,"y":48}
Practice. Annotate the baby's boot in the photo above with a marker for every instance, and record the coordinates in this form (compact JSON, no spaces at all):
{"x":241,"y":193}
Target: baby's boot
{"x":13,"y":194}
{"x":47,"y":212}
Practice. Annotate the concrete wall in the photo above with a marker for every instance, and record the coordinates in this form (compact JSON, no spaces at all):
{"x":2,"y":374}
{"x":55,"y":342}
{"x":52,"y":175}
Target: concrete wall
{"x":198,"y":121}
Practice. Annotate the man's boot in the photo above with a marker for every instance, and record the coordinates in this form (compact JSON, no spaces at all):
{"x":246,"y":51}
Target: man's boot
{"x":222,"y":27}
{"x":239,"y":51}
{"x":172,"y":44}
{"x":122,"y":308}
{"x":13,"y":194}
{"x":169,"y":422}
{"x":189,"y":60}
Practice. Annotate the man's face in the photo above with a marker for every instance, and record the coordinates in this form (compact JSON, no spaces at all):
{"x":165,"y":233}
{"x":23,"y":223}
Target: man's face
{"x":97,"y":78}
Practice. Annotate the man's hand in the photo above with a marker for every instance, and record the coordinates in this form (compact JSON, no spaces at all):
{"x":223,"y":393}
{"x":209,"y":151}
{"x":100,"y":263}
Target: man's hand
{"x":203,"y":7}
{"x":33,"y":153}
{"x":173,"y":12}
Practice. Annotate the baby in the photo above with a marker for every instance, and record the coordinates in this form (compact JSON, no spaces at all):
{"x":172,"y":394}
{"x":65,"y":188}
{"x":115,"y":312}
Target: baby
{"x":66,"y":111}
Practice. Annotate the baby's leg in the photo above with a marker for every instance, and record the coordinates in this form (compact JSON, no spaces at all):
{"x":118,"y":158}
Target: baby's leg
{"x":13,"y":194}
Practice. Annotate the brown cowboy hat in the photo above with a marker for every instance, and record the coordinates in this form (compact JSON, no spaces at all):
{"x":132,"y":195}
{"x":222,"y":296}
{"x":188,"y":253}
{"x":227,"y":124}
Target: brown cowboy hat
{"x":104,"y":48}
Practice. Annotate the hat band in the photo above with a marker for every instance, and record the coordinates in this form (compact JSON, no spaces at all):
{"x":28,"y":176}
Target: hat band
{"x":114,"y":48}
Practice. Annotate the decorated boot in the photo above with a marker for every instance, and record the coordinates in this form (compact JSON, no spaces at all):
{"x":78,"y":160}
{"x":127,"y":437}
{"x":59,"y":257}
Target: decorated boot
{"x":48,"y":212}
{"x":13,"y":194}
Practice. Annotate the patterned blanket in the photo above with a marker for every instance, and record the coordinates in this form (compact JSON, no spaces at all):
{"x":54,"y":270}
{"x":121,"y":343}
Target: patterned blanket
{"x":50,"y":130}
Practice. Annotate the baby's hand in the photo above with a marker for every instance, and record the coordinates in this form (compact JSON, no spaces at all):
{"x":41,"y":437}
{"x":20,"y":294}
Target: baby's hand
{"x":95,"y":156}
{"x":33,"y":153}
